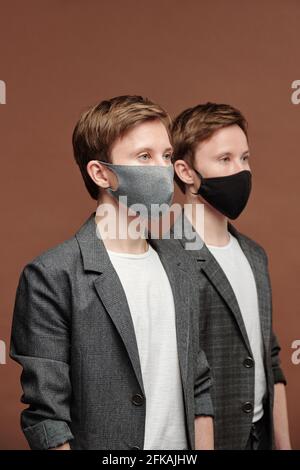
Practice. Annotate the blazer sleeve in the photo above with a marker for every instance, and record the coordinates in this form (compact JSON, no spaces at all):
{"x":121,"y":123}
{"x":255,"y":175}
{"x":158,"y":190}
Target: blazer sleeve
{"x":277,"y":370}
{"x":203,"y":382}
{"x":40,"y":344}
{"x":278,"y":374}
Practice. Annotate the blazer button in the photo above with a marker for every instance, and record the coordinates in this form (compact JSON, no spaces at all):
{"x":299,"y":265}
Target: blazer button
{"x":247,"y":407}
{"x":135,"y":448}
{"x":137,"y":399}
{"x":248,"y":362}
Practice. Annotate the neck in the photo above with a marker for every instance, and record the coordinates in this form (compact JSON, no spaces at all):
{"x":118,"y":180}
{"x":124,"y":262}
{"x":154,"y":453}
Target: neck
{"x":119,"y":231}
{"x":214,"y":228}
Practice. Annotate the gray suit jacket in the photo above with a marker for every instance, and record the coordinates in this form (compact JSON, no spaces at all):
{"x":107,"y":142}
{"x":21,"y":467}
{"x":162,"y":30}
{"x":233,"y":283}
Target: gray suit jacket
{"x":74,"y":337}
{"x":225,"y":342}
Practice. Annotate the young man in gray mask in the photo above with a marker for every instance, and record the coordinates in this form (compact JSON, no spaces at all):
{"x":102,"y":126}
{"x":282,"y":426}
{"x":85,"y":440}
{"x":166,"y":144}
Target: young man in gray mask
{"x":211,"y":156}
{"x":104,"y":322}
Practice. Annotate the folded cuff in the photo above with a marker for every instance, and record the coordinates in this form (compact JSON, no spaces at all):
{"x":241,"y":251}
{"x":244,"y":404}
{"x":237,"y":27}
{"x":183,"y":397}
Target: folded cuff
{"x":279,"y":375}
{"x":47,"y":434}
{"x":203,"y":405}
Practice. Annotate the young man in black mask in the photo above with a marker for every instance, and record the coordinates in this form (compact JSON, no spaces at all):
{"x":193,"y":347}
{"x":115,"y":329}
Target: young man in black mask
{"x":211,"y":161}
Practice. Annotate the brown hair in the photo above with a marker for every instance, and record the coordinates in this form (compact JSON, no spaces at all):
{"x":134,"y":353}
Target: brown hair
{"x":194,"y":125}
{"x":101,"y":125}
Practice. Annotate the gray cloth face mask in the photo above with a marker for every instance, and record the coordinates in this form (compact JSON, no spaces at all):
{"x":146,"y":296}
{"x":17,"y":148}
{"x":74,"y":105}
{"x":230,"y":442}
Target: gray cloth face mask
{"x":145,"y":186}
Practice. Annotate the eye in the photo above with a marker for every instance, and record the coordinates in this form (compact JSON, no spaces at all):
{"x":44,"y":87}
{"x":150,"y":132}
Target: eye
{"x":144,"y":157}
{"x":168,"y":156}
{"x":246,"y":157}
{"x":225,"y":159}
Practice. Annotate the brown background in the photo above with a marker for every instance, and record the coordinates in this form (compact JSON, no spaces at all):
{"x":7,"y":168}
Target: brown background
{"x":58,"y":57}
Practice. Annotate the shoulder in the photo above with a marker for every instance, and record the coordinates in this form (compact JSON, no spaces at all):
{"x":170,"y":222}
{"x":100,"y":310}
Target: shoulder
{"x":165,"y":245}
{"x":60,"y":258}
{"x":255,"y":247}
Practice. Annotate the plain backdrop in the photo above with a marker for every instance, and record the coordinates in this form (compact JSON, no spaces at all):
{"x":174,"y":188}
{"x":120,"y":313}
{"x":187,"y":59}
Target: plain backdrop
{"x":58,"y":57}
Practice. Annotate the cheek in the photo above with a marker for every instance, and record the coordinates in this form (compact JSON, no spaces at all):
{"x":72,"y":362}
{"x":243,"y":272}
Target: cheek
{"x":216,"y":168}
{"x":222,"y":168}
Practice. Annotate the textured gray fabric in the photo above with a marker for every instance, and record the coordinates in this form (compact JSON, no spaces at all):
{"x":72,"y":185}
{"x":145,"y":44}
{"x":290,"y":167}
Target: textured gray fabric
{"x":149,"y":188}
{"x":73,"y":335}
{"x":224,"y":339}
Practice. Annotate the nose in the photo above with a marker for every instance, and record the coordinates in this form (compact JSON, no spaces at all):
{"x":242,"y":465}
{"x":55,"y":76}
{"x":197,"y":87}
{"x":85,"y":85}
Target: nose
{"x":240,"y":165}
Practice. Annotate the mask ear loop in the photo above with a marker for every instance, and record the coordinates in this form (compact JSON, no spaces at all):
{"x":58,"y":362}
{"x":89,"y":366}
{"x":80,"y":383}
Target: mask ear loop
{"x":201,"y":180}
{"x":108,"y":165}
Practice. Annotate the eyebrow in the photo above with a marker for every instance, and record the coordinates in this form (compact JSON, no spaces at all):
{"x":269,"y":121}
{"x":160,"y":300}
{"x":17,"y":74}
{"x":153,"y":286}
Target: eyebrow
{"x":223,"y":154}
{"x":149,"y":149}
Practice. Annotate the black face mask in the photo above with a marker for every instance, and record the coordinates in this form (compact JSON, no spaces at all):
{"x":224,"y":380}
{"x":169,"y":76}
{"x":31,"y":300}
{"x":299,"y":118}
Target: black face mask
{"x":227,"y":194}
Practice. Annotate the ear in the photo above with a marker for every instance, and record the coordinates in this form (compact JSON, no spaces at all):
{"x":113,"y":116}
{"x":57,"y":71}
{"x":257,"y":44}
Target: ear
{"x":101,"y":175}
{"x":187,"y":175}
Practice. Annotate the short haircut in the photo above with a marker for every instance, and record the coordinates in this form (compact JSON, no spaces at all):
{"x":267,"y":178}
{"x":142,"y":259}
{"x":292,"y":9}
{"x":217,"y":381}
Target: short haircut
{"x":194,"y":125}
{"x":99,"y":127}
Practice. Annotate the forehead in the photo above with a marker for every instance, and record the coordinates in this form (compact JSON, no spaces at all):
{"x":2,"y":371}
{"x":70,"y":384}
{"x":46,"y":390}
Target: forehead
{"x":146,"y":134}
{"x":227,"y":139}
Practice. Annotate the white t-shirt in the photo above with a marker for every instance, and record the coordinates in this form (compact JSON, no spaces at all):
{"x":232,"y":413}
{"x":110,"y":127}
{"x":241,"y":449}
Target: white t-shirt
{"x":238,"y":271}
{"x":151,"y":305}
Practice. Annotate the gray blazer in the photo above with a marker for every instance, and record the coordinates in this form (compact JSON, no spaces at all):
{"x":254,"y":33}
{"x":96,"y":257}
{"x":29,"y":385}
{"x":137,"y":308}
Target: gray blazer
{"x":225,"y":342}
{"x":74,"y":337}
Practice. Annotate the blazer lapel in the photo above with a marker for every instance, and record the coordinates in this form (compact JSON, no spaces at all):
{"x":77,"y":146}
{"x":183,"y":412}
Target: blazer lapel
{"x":109,"y":290}
{"x":262,"y":286}
{"x":112,"y":295}
{"x":208,"y":264}
{"x":218,"y":278}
